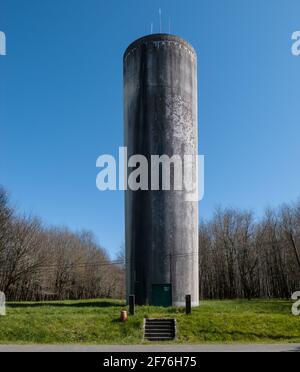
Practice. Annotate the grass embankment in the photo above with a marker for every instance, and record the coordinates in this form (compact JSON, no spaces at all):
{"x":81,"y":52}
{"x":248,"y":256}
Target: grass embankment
{"x":97,"y":322}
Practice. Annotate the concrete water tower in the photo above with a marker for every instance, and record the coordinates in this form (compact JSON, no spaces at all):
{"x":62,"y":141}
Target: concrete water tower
{"x":160,"y":92}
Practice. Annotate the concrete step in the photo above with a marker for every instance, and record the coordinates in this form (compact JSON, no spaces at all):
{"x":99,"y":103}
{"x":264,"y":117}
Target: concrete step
{"x":159,"y":335}
{"x":158,"y":326}
{"x":170,"y":325}
{"x":158,"y":339}
{"x":153,"y":331}
{"x":160,"y":320}
{"x":160,"y":329}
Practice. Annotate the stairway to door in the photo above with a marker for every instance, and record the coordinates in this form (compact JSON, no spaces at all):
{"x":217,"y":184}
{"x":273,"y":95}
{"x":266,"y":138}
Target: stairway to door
{"x":159,"y":329}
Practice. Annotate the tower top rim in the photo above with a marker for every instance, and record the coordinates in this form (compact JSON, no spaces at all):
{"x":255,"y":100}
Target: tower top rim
{"x":159,"y":38}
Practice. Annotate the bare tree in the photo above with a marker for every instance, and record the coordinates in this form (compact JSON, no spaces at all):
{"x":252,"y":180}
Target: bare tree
{"x":240,"y":257}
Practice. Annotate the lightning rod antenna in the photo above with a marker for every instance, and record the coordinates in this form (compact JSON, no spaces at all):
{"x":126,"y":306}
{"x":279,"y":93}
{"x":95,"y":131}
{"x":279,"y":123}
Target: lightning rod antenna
{"x":160,"y":20}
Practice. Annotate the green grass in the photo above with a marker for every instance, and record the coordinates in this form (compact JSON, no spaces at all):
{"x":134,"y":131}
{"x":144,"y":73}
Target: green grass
{"x":97,"y":322}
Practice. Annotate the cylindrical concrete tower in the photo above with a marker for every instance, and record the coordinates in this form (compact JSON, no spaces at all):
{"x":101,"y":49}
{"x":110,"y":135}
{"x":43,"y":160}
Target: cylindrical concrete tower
{"x":160,"y":82}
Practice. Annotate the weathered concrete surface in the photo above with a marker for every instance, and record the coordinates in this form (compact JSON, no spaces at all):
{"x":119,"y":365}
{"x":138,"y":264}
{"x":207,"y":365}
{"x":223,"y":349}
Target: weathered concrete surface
{"x":160,"y":84}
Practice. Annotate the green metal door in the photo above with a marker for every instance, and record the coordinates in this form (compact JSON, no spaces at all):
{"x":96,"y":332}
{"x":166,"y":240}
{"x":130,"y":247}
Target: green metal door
{"x":162,"y":295}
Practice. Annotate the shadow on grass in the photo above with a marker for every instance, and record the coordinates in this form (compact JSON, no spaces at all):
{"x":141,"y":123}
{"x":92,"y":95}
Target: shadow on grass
{"x":100,"y":304}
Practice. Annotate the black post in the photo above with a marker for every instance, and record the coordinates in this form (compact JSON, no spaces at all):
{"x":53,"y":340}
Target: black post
{"x":132,"y":305}
{"x":188,"y":304}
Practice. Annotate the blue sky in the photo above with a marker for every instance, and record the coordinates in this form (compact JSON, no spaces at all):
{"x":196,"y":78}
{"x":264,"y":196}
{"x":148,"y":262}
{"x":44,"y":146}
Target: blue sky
{"x":61,"y":102}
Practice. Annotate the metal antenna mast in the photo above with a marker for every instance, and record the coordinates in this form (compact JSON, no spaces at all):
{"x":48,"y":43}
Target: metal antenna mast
{"x":160,"y":20}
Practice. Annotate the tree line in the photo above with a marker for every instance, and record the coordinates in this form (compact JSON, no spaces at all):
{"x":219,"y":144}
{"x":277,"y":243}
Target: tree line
{"x":239,"y":257}
{"x":38,"y":263}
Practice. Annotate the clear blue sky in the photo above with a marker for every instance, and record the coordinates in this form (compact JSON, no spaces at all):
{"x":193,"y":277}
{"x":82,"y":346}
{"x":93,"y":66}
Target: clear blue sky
{"x":61,"y":103}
